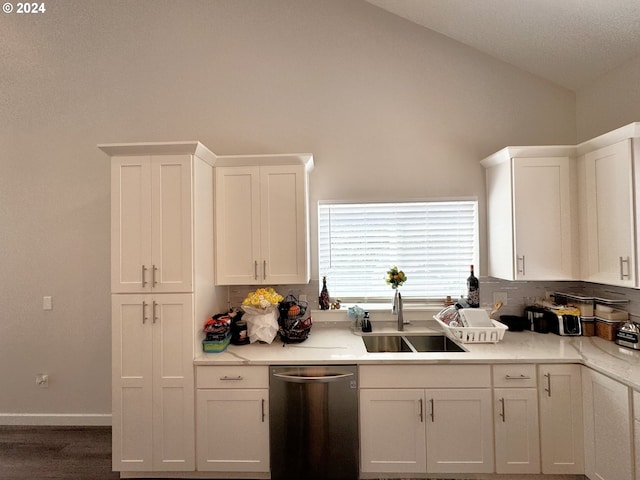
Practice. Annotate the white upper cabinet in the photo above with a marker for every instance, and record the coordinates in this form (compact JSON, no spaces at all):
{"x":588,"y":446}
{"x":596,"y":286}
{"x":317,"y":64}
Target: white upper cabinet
{"x":151,"y":234}
{"x":608,"y":253}
{"x":531,"y":227}
{"x":262,"y":219}
{"x":161,"y":219}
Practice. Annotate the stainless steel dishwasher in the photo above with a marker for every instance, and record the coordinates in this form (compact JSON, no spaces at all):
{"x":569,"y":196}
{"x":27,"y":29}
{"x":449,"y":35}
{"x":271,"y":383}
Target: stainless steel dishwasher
{"x":314,"y":422}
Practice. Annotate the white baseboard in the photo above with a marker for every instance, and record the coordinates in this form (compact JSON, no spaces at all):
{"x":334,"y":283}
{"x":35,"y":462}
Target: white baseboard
{"x":55,"y":419}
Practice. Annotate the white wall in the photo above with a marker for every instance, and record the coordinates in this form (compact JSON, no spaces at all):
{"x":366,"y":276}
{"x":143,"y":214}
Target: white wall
{"x":610,"y":102}
{"x":389,"y":110}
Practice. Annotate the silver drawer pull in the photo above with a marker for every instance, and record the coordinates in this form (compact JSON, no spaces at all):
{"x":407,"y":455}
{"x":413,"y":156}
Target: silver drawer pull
{"x":239,"y":377}
{"x":517,"y":377}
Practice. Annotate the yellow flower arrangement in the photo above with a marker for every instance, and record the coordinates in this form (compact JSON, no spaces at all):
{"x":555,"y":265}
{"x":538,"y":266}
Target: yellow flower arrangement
{"x":262,"y":298}
{"x":395,"y":277}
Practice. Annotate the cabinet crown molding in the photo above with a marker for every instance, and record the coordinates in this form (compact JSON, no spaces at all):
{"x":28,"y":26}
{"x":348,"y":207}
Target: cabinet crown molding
{"x":508,"y":153}
{"x":191,"y":147}
{"x":304,"y":159}
{"x":631,"y":130}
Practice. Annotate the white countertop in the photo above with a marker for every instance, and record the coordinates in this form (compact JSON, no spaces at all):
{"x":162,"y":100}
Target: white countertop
{"x":335,"y":342}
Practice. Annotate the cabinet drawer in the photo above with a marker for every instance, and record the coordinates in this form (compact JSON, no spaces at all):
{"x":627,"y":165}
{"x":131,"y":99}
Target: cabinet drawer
{"x":425,"y":376}
{"x":514,"y":375}
{"x":232,"y":377}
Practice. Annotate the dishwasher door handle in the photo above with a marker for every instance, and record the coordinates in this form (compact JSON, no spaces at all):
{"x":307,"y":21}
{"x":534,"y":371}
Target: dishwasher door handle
{"x":320,"y":379}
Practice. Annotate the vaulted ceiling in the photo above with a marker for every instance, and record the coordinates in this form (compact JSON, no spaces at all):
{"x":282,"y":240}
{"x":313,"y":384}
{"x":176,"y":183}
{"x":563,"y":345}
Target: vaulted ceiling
{"x":569,"y":42}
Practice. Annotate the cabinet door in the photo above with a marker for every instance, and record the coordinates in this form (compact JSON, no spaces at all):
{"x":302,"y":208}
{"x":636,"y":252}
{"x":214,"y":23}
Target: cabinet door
{"x":607,"y":425}
{"x":171,"y":268}
{"x":561,"y":421}
{"x":543,"y":233}
{"x":516,"y":429}
{"x":392,"y":431}
{"x":173,"y":384}
{"x":151,"y":220}
{"x":459,"y":431}
{"x":152,"y":383}
{"x":130,"y":224}
{"x":608,"y":203}
{"x":233,"y":430}
{"x":284,"y":234}
{"x":237,"y":226}
{"x":132,"y":390}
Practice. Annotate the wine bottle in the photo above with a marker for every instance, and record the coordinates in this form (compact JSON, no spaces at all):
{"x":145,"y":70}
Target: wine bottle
{"x":473,"y":290}
{"x":324,"y":302}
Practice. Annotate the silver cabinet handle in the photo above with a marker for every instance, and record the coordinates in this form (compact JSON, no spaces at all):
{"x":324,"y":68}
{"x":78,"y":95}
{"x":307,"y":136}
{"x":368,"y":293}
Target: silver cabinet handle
{"x":264,"y":269}
{"x":263,"y":410}
{"x":521,"y":260}
{"x":154,"y":269}
{"x":144,"y":310}
{"x":238,"y":377}
{"x":154,"y":313}
{"x":548,"y":388}
{"x":421,"y":411}
{"x":144,"y":276}
{"x":502,"y":410}
{"x":433,"y":410}
{"x":622,"y":274}
{"x":255,"y":270}
{"x":522,"y":376}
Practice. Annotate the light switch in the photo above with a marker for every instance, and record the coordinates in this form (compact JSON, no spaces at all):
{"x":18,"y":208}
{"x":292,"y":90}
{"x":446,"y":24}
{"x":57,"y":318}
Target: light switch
{"x":47,"y":303}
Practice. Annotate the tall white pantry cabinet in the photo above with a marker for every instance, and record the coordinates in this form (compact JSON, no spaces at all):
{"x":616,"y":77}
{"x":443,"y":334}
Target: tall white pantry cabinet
{"x":162,"y":285}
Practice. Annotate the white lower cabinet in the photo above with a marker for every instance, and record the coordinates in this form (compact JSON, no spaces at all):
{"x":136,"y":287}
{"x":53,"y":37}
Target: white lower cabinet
{"x":392,"y":431}
{"x":561,"y":419}
{"x":232,"y":405}
{"x":459,"y":433}
{"x":152,"y":383}
{"x":607,"y":428}
{"x":426,"y":430}
{"x":516,"y":419}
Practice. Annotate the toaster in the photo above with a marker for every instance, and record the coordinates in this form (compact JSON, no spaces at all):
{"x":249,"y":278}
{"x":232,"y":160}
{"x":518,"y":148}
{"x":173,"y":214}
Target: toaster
{"x":628,"y":335}
{"x":560,"y":320}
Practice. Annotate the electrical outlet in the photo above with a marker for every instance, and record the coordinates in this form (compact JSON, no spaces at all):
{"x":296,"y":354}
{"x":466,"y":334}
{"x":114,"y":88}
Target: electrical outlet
{"x":47,"y":303}
{"x":42,"y":380}
{"x":500,"y":297}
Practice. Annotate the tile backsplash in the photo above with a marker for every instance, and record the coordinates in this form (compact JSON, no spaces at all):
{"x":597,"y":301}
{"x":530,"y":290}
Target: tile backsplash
{"x":517,"y":293}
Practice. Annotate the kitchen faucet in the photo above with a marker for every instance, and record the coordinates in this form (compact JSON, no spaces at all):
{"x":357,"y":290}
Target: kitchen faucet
{"x":397,"y":310}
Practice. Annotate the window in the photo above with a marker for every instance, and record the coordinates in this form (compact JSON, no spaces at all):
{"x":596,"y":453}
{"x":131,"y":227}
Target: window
{"x":432,"y":242}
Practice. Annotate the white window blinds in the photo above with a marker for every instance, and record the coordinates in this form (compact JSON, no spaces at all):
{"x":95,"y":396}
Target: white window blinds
{"x":434,"y":243}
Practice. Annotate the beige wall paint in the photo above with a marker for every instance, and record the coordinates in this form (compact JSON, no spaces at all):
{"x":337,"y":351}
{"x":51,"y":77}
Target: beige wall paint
{"x":389,"y":110}
{"x":609,"y":103}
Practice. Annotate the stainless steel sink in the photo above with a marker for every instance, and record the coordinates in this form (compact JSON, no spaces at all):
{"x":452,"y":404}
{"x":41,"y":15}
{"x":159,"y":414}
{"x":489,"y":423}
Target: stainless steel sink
{"x":410,"y":344}
{"x":386,"y":343}
{"x":433,"y":343}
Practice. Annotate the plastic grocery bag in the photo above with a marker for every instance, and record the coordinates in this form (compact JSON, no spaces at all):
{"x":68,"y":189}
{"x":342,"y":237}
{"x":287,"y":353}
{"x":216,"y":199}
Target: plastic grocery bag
{"x":262,"y":323}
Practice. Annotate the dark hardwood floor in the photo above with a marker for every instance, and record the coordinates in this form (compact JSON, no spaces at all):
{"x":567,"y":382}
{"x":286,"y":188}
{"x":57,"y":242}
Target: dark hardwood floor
{"x":55,"y":453}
